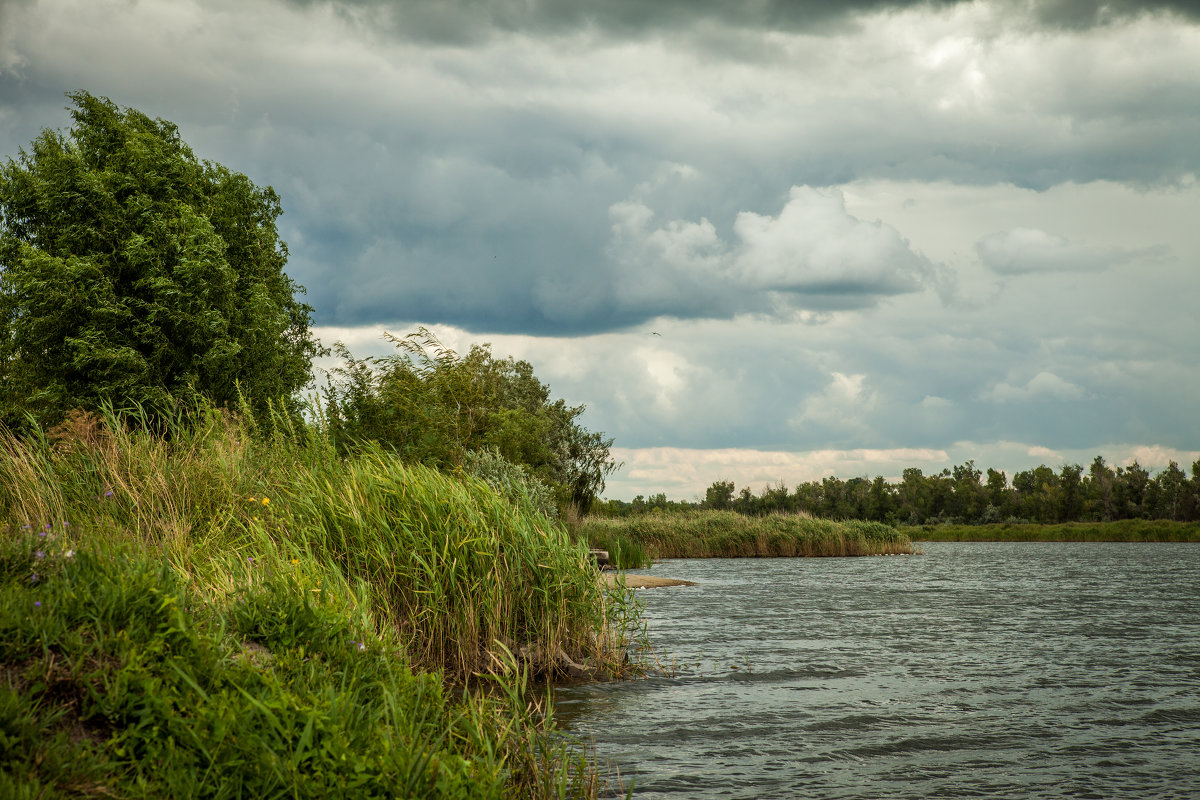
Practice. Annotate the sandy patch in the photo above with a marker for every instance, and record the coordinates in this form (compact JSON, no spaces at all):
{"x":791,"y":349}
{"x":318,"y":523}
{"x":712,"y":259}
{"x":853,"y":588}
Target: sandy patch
{"x":642,"y":581}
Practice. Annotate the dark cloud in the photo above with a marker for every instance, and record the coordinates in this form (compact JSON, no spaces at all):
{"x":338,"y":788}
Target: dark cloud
{"x":520,"y":186}
{"x":465,"y":21}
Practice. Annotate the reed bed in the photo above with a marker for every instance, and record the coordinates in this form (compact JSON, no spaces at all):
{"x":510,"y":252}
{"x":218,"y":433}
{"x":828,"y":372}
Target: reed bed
{"x":172,"y":557}
{"x":117,"y":680}
{"x":455,"y":571}
{"x":727,"y":534}
{"x":1125,"y":530}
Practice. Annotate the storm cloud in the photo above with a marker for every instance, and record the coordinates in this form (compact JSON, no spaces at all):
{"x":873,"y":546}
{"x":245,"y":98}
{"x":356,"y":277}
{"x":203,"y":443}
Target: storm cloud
{"x":884,"y":227}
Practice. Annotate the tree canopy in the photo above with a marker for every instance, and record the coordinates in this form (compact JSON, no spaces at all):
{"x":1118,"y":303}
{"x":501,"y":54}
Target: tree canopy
{"x":131,"y":272}
{"x":963,"y":496}
{"x":433,"y":405}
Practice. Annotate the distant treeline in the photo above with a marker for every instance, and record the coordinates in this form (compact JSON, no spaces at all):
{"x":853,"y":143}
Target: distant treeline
{"x":963,"y":495}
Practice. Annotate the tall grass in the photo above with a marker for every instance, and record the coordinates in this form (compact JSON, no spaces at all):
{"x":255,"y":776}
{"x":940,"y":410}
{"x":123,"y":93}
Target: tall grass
{"x":726,"y":534}
{"x":241,"y":607}
{"x":117,"y":680}
{"x":453,"y":570}
{"x":1125,"y":530}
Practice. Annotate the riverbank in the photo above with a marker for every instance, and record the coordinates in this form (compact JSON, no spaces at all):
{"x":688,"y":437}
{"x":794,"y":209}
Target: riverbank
{"x":228,"y":607}
{"x":635,"y":541}
{"x":629,"y":581}
{"x":1128,"y":530}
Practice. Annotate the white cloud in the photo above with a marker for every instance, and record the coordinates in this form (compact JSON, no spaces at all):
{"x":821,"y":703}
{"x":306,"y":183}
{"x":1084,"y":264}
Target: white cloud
{"x":812,"y":255}
{"x":1024,"y":250}
{"x":844,"y":405}
{"x":815,"y":246}
{"x":1157,"y":456}
{"x":1043,"y":386}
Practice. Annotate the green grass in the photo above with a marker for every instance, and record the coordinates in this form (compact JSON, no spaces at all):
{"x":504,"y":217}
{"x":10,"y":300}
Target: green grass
{"x":229,"y":612}
{"x":442,"y":562}
{"x":1129,"y":530}
{"x":726,"y":534}
{"x":117,"y":680}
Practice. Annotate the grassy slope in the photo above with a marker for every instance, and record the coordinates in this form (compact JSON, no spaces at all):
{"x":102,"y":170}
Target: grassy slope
{"x":160,"y":559}
{"x":116,"y":680}
{"x":726,"y":534}
{"x":1131,"y":530}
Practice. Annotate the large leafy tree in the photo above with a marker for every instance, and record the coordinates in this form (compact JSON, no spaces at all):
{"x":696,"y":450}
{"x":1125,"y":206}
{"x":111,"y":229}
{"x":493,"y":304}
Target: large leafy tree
{"x":132,"y":272}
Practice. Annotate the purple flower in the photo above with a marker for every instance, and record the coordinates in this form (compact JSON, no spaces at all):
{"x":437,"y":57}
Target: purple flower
{"x":41,"y":534}
{"x":37,"y":603}
{"x":109,"y":493}
{"x":39,"y":555}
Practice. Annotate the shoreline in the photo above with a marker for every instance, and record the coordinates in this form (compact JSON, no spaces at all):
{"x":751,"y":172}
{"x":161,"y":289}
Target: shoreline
{"x":641,"y":581}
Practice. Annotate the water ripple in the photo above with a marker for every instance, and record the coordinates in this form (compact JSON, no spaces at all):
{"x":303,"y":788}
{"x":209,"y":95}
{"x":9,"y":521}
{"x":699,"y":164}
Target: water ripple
{"x":1016,"y":670}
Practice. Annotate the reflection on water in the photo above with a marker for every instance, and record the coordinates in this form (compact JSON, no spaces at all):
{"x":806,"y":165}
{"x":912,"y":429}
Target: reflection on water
{"x":1017,"y":670}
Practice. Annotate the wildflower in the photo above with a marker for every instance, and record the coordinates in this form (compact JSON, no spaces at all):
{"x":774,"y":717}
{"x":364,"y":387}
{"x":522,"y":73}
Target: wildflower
{"x":362,"y":645}
{"x":69,"y":554}
{"x":34,"y":578}
{"x":251,"y":560}
{"x":295,"y":561}
{"x":252,"y":500}
{"x":37,"y":603}
{"x":266,"y":501}
{"x":41,"y":534}
{"x":39,"y":555}
{"x":109,"y":493}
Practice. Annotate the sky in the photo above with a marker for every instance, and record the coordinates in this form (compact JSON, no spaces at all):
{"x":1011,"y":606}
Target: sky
{"x":761,"y":240}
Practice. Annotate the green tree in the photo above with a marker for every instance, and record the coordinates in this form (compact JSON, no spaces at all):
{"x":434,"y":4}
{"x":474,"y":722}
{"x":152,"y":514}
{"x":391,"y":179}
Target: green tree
{"x":435,"y":406}
{"x":1071,"y":497}
{"x":1174,"y":501}
{"x":132,"y":272}
{"x":1099,"y":490}
{"x":719,"y":495}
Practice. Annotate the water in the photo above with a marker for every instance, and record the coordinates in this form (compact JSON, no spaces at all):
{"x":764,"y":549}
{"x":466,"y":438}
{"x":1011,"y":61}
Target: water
{"x":1008,"y":670}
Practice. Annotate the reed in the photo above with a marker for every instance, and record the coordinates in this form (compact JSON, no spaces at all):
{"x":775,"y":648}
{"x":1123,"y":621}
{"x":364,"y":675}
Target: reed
{"x":726,"y":534}
{"x":1126,"y":530}
{"x":443,"y":563}
{"x":118,"y":680}
{"x":240,"y":606}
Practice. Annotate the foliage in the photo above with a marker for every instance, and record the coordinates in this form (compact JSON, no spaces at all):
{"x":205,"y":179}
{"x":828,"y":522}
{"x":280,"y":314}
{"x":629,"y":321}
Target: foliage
{"x":447,"y":566}
{"x":624,"y":552}
{"x":512,"y":481}
{"x":119,"y":681}
{"x":727,"y":534}
{"x":434,"y":406}
{"x":1126,"y":530}
{"x":963,"y":495}
{"x":131,"y":272}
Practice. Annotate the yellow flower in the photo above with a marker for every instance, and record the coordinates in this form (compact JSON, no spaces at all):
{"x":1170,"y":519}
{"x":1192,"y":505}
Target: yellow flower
{"x":252,"y":500}
{"x":266,"y":500}
{"x":295,"y":561}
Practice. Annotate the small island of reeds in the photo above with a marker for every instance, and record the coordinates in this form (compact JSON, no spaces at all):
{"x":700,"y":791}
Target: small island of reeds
{"x":635,"y":541}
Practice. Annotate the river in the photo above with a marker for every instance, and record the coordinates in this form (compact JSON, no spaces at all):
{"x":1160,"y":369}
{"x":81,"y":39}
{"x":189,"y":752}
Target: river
{"x":1007,"y":670}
